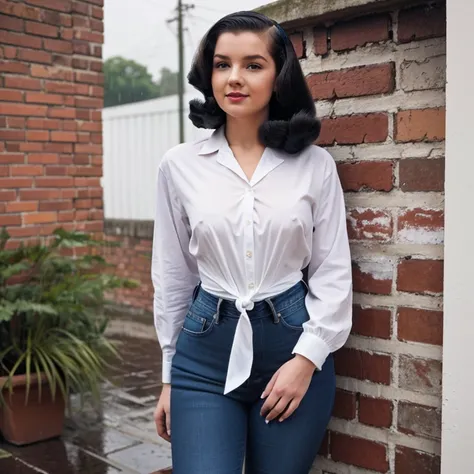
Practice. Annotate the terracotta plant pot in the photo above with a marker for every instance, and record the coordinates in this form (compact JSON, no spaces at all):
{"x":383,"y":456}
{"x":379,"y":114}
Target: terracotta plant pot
{"x":37,"y":420}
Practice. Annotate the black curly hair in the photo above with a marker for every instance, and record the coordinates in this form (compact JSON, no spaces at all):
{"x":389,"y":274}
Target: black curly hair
{"x":292,"y":124}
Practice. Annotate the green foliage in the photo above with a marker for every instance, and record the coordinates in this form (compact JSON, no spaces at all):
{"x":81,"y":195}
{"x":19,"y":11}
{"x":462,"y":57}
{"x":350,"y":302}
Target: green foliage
{"x":127,"y":81}
{"x":52,"y":322}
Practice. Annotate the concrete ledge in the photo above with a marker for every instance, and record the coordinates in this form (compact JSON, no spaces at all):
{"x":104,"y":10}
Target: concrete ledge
{"x":129,"y":228}
{"x":294,"y":13}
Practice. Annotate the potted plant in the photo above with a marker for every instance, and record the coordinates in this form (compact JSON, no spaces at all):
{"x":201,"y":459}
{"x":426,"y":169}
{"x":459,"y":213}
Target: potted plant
{"x":52,"y":325}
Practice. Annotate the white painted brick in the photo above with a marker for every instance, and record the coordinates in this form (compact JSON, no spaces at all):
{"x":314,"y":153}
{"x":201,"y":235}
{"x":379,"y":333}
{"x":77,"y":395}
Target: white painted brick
{"x":366,"y":250}
{"x":395,"y":199}
{"x":427,"y":74}
{"x":402,"y":299}
{"x":392,"y":103}
{"x":387,"y":151}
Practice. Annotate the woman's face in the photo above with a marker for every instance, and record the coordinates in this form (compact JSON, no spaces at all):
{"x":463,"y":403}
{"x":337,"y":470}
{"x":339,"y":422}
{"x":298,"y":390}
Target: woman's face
{"x":243,"y":73}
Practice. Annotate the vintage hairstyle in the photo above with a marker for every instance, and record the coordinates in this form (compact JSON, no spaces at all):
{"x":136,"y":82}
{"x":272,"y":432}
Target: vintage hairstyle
{"x":292,"y":124}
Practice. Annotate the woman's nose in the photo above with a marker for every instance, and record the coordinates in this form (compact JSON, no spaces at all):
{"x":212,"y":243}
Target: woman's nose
{"x":235,"y":76}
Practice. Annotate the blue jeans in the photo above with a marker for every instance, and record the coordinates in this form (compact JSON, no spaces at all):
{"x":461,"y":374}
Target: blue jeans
{"x":212,"y":433}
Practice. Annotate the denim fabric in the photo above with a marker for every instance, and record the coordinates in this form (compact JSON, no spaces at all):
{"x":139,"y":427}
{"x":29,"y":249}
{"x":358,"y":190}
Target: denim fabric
{"x":212,"y":433}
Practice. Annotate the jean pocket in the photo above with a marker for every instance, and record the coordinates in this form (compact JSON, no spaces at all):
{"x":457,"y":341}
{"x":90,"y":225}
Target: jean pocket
{"x":196,"y":325}
{"x":294,"y":318}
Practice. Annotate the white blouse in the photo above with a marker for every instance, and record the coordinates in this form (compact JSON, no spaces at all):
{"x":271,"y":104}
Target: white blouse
{"x":249,"y":240}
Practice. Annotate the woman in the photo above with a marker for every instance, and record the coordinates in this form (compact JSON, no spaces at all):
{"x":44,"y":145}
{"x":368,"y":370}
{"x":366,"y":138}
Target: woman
{"x":247,"y":344}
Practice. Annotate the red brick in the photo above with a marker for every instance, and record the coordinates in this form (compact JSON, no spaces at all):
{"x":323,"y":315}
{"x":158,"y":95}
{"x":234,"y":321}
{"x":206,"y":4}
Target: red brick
{"x":92,"y":149}
{"x":7,"y":195}
{"x":88,"y":78}
{"x":369,"y":224}
{"x":14,"y":67}
{"x":420,"y":375}
{"x":422,"y":174}
{"x":375,"y":412}
{"x":359,"y":32}
{"x":32,"y":146}
{"x":354,"y":129}
{"x":58,"y":46}
{"x":54,"y":182}
{"x":43,"y":158}
{"x":35,"y":56}
{"x":377,"y":281}
{"x":42,"y":98}
{"x":97,"y":25}
{"x":359,"y":452}
{"x":12,"y":158}
{"x":411,"y":461}
{"x":16,"y":122}
{"x":371,"y":322}
{"x":89,"y":103}
{"x":419,"y":420}
{"x":12,"y":135}
{"x":11,"y":23}
{"x":19,"y":39}
{"x":22,"y":83}
{"x":4,"y":172}
{"x":298,"y":44}
{"x":421,"y":23}
{"x":11,"y":95}
{"x":63,"y":137}
{"x":420,"y":325}
{"x":9,"y":220}
{"x":27,"y":170}
{"x":55,"y":205}
{"x":353,"y":82}
{"x":41,"y":29}
{"x":62,"y":112}
{"x":59,"y":5}
{"x":39,"y":218}
{"x":363,"y":365}
{"x":9,"y":52}
{"x":57,"y":171}
{"x":421,"y":125}
{"x":420,"y":276}
{"x":39,"y":194}
{"x":20,"y":10}
{"x":89,"y":36}
{"x":58,"y":147}
{"x":421,"y":226}
{"x":344,"y":405}
{"x":90,"y":127}
{"x":366,"y":175}
{"x":43,"y":124}
{"x":22,"y":206}
{"x":320,"y":41}
{"x":97,"y":12}
{"x":37,"y":135}
{"x":60,"y":87}
{"x":51,"y":72}
{"x":16,"y":182}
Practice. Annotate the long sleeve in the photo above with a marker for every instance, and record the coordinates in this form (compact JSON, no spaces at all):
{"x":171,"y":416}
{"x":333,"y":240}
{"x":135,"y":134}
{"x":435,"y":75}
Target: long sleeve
{"x":329,"y":300}
{"x":173,"y":271}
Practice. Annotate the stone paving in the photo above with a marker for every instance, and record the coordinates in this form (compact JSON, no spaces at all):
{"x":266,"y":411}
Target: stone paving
{"x":117,"y":437}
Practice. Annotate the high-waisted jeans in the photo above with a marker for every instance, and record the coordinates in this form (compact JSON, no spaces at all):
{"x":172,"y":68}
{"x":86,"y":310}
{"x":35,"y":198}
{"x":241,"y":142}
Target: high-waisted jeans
{"x":212,"y":433}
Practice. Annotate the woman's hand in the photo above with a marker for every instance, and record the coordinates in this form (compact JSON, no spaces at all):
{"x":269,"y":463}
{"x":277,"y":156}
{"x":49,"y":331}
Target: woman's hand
{"x":162,"y":413}
{"x":287,"y":388}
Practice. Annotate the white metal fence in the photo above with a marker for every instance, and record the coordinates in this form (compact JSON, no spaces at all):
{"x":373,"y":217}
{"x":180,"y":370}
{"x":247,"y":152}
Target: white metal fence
{"x":135,"y":138}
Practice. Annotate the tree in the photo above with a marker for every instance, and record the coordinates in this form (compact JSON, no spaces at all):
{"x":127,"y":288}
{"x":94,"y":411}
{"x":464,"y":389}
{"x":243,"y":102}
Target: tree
{"x":127,"y":81}
{"x":168,"y":82}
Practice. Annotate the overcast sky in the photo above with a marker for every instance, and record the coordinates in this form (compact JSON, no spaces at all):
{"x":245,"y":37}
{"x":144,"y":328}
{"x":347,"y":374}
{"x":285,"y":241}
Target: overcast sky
{"x":137,"y":29}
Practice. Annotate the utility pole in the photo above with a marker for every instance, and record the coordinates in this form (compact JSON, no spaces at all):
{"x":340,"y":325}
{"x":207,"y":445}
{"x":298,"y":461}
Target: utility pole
{"x":181,"y":8}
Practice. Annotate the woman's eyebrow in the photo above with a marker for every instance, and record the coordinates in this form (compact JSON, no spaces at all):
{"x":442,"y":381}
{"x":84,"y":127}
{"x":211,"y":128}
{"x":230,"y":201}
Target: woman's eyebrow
{"x":250,"y":57}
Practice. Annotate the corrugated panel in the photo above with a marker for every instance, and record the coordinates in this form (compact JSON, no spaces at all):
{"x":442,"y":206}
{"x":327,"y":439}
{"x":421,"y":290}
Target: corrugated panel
{"x":135,"y":138}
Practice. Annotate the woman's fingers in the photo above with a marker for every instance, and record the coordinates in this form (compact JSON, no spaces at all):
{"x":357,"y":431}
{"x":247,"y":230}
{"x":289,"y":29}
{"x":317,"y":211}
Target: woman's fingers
{"x":279,"y":408}
{"x":162,"y":422}
{"x":294,"y":404}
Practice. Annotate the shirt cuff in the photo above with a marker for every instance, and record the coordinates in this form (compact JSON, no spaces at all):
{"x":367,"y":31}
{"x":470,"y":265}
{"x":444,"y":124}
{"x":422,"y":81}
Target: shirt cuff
{"x":313,"y":348}
{"x":166,"y":372}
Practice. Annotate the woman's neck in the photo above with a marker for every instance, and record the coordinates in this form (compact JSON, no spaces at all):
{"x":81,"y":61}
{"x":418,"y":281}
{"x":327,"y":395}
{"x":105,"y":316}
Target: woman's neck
{"x":243,"y":133}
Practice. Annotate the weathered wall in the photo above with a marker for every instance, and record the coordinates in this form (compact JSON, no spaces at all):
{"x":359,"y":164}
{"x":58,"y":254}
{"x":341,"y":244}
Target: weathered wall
{"x":50,"y":116}
{"x":379,"y":85}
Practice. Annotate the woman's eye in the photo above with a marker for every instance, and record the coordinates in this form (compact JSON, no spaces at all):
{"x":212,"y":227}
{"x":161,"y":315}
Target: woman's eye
{"x":254,"y":66}
{"x":220,"y":65}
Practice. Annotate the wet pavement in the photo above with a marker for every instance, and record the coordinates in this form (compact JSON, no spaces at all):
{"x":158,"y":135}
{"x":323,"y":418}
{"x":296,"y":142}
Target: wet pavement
{"x":119,"y":436}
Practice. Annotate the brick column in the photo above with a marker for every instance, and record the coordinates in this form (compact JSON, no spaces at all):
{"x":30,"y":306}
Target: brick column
{"x":51,"y":96}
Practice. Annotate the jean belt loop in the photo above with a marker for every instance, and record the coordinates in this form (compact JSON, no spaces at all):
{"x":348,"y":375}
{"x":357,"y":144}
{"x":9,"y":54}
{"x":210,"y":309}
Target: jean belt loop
{"x":305,"y":284}
{"x":276,"y":316}
{"x":218,"y":310}
{"x":196,"y":291}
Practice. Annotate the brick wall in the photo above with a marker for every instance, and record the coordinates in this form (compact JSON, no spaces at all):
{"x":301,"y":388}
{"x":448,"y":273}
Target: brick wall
{"x":51,"y":97}
{"x":379,"y":85}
